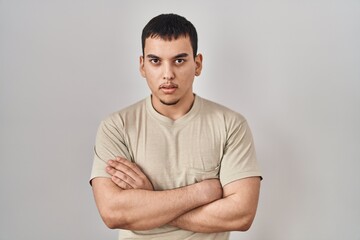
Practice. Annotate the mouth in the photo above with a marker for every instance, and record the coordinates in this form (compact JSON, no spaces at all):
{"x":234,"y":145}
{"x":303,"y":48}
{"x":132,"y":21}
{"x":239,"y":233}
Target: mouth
{"x":168,"y":88}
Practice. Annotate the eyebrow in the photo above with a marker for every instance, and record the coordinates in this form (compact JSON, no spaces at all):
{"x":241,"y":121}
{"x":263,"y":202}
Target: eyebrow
{"x":181,"y":55}
{"x":151,"y":56}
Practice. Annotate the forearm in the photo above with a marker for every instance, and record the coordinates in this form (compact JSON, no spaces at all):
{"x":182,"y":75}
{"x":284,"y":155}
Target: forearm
{"x":213,"y":217}
{"x":142,"y":209}
{"x":234,"y":212}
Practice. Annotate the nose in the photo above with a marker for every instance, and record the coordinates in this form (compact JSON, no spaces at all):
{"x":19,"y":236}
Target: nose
{"x":168,"y":73}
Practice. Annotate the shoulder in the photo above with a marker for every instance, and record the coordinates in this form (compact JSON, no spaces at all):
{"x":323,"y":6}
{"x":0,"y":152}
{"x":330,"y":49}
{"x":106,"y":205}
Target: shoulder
{"x":221,"y":111}
{"x":125,"y":115}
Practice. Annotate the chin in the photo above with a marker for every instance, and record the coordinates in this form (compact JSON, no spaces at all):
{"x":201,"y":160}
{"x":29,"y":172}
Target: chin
{"x":169,"y":102}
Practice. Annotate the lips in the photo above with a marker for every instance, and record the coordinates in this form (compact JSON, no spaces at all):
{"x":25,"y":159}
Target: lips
{"x":168,"y":88}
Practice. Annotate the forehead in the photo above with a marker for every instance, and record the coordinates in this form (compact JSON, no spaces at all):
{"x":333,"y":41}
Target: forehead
{"x":167,"y":48}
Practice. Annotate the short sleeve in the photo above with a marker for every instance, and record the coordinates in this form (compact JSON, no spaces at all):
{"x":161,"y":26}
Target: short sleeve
{"x":239,"y":158}
{"x":109,"y":143}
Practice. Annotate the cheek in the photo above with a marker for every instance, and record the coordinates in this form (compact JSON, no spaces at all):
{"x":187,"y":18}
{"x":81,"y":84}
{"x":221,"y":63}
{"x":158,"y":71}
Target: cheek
{"x":151,"y":72}
{"x":152,"y":79}
{"x":186,"y":73}
{"x":152,"y":85}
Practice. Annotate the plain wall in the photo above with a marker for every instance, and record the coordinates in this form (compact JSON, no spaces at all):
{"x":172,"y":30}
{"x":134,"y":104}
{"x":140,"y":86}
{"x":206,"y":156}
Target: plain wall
{"x":290,"y":67}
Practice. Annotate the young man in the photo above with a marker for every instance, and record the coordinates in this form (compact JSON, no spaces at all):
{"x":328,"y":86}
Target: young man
{"x":174,"y":165}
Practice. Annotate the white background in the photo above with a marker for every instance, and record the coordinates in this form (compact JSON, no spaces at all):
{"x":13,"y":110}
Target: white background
{"x":292,"y":68}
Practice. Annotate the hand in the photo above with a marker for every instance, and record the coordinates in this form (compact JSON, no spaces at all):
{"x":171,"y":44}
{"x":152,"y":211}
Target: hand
{"x":128,"y":175}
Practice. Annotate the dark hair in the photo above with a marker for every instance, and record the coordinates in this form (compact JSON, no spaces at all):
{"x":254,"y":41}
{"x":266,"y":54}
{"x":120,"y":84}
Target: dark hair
{"x":169,"y":27}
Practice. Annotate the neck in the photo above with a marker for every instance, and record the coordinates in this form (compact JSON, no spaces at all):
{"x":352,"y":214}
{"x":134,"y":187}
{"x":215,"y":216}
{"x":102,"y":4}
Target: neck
{"x":174,"y":111}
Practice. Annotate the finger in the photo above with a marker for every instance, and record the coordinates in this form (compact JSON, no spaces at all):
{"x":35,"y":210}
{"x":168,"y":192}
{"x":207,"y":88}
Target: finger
{"x":123,"y":185}
{"x":141,"y":180}
{"x":123,"y":167}
{"x":133,"y":174}
{"x":125,"y":178}
{"x":110,"y":170}
{"x":121,"y":175}
{"x":133,"y":166}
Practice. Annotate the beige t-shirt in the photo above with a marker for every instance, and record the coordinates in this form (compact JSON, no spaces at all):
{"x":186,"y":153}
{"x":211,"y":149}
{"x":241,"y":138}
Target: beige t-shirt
{"x":210,"y":141}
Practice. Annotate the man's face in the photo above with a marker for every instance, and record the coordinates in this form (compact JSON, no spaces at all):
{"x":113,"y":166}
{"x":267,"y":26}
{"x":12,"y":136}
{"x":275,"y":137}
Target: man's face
{"x":169,"y":68}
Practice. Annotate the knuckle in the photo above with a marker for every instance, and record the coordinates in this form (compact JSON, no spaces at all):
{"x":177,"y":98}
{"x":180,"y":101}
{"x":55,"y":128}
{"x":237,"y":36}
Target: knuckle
{"x":126,"y":168}
{"x":119,"y":182}
{"x":115,"y":180}
{"x":124,"y":177}
{"x":142,"y":181}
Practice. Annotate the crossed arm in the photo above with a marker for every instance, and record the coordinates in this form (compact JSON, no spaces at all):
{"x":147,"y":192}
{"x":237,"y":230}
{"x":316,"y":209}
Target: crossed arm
{"x":128,"y":201}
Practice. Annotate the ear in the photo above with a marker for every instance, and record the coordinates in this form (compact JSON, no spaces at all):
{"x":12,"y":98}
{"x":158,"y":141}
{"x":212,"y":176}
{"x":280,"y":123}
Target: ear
{"x":198,"y":63}
{"x":141,"y":67}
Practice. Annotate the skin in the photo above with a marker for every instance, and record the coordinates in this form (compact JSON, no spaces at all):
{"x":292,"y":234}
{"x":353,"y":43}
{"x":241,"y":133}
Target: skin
{"x":169,"y":69}
{"x":128,"y":200}
{"x":140,"y":209}
{"x":234,"y":211}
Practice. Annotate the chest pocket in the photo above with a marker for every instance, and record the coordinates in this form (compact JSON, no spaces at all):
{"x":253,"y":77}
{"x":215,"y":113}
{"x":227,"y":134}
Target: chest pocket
{"x":201,"y":158}
{"x":198,"y":175}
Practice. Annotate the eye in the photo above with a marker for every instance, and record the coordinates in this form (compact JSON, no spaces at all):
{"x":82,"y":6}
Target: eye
{"x":154,"y":61}
{"x":179,"y":61}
